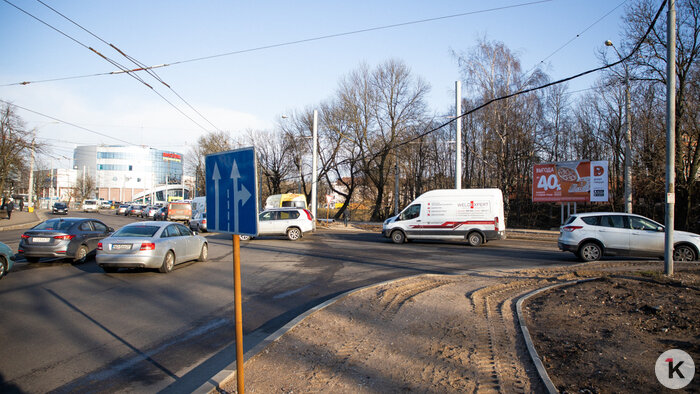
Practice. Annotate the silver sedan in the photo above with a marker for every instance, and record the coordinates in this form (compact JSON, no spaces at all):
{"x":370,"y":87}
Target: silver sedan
{"x":158,"y":245}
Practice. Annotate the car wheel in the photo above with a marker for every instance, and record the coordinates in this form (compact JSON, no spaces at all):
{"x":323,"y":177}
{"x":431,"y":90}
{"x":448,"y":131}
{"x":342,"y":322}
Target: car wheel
{"x":293,"y":234}
{"x":80,"y":255}
{"x":3,"y":266}
{"x":244,"y":237}
{"x":204,"y":253}
{"x":474,"y":239}
{"x":110,"y":270}
{"x":590,"y":251}
{"x":684,"y":253}
{"x":168,"y":263}
{"x":398,"y":237}
{"x":32,"y":259}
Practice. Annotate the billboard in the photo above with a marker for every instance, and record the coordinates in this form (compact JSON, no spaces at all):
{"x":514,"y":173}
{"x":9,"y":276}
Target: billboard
{"x":570,"y":181}
{"x":171,"y":157}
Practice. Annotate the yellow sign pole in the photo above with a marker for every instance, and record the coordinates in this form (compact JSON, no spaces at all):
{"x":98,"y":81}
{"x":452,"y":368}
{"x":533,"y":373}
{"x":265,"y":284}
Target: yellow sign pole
{"x":238,"y":311}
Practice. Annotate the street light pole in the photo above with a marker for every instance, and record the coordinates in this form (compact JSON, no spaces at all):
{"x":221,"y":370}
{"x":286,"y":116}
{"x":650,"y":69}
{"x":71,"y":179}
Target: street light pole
{"x":30,"y":192}
{"x":670,"y":136}
{"x":314,"y":179}
{"x":458,"y":135}
{"x":628,"y":135}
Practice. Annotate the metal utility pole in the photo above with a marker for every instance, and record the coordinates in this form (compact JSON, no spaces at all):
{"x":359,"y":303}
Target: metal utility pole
{"x":396,"y":181}
{"x":30,"y":192}
{"x":458,"y":135}
{"x":628,"y":144}
{"x":670,"y":135}
{"x":628,"y":135}
{"x":314,"y":166}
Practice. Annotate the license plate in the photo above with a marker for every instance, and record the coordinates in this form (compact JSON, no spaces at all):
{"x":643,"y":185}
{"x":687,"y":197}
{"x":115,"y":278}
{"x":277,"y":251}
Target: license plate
{"x":40,"y":239}
{"x":121,"y":246}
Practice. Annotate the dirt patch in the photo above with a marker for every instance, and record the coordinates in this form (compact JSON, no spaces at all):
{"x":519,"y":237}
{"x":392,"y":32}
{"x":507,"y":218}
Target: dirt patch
{"x":437,"y":334}
{"x":605,"y":335}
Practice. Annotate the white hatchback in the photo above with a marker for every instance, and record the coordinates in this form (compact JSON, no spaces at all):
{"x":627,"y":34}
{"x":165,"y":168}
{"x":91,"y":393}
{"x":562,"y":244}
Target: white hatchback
{"x":292,"y":222}
{"x":595,"y":234}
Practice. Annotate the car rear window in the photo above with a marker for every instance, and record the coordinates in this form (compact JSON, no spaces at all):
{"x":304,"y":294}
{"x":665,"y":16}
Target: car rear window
{"x":55,"y":224}
{"x":570,"y":219}
{"x":592,"y":220}
{"x":284,"y":215}
{"x":136,"y":231}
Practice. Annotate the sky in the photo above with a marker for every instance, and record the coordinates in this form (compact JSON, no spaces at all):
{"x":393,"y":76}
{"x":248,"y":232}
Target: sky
{"x":243,"y":65}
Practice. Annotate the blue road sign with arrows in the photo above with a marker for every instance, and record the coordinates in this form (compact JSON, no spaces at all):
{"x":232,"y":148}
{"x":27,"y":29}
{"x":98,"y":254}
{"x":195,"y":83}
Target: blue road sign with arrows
{"x":231,"y":184}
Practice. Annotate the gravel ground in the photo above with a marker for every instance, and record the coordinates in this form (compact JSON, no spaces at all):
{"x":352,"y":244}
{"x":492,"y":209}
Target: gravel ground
{"x":438,"y":334}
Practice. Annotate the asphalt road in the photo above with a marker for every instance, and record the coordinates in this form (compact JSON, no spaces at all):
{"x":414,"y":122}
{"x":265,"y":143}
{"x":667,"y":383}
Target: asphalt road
{"x":69,"y":328}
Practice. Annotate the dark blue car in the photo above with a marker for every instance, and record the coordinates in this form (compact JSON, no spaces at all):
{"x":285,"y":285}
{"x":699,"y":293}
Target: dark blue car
{"x":7,"y":259}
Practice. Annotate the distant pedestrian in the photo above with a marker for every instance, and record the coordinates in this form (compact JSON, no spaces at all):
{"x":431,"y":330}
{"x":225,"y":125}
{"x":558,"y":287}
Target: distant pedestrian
{"x":9,"y":207}
{"x":21,"y":205}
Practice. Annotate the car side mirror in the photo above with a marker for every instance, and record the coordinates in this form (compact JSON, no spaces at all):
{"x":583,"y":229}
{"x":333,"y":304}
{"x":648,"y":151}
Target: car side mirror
{"x":195,"y":233}
{"x":110,"y":229}
{"x":660,"y":229}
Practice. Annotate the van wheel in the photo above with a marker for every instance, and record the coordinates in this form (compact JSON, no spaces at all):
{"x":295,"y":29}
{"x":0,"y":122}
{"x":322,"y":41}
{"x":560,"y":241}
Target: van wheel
{"x":590,"y":251}
{"x":398,"y":237}
{"x":474,"y":239}
{"x":244,"y":237}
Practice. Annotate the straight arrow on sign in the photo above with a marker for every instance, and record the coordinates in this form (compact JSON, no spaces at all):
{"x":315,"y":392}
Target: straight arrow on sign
{"x":216,"y":177}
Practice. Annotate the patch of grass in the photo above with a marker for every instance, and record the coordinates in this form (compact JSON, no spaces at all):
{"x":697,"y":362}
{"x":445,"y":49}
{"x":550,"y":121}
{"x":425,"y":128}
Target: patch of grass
{"x":650,"y":274}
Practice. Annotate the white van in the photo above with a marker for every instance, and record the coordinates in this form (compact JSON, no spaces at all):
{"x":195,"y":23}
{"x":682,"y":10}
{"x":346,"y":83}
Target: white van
{"x":90,"y":206}
{"x":450,"y":214}
{"x":199,"y":205}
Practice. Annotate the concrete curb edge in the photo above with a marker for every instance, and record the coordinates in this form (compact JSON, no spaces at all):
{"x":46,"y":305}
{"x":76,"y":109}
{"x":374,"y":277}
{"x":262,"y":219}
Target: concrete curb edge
{"x":541,"y":371}
{"x":229,"y":373}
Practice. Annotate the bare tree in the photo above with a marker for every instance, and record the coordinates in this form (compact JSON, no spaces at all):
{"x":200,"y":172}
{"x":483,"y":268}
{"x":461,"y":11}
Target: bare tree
{"x":273,"y":151}
{"x":212,"y":142}
{"x":16,"y":143}
{"x":381,"y":106}
{"x":507,"y":126}
{"x":650,"y":64}
{"x":84,"y":188}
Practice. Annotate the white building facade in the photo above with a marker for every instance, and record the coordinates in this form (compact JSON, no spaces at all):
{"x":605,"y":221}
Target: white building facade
{"x":132,"y":173}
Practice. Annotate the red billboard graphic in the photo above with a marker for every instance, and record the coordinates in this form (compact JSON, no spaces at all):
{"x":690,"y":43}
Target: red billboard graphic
{"x":570,"y":181}
{"x":171,"y":156}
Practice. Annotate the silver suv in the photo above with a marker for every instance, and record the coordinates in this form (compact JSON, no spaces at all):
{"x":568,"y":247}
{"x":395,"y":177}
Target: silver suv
{"x":593,"y":235}
{"x":292,"y":222}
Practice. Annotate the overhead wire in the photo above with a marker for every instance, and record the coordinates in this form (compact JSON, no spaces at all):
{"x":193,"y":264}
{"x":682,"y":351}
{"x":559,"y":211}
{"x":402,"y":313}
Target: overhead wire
{"x":111,"y":61}
{"x":68,"y":123}
{"x":573,"y":38}
{"x":300,"y":41}
{"x":505,"y":97}
{"x":141,"y":65}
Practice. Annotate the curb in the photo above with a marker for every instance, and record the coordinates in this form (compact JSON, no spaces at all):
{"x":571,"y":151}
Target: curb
{"x":541,"y":371}
{"x":40,"y":218}
{"x":215,"y":383}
